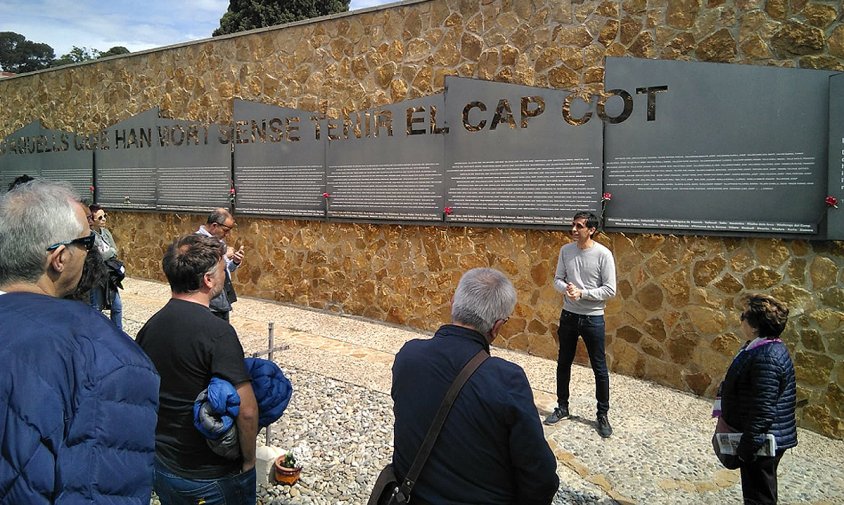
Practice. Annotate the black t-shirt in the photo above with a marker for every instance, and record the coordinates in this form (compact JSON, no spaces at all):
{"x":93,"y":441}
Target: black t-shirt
{"x":189,"y":345}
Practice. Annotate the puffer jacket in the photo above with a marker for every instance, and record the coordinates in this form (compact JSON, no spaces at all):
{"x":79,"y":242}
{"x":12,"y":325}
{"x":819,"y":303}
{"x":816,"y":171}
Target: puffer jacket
{"x":217,"y":406}
{"x":759,"y":395}
{"x":79,"y":406}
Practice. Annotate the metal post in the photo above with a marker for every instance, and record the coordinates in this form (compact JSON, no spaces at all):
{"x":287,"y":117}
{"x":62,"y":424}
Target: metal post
{"x":268,"y":432}
{"x":270,"y":331}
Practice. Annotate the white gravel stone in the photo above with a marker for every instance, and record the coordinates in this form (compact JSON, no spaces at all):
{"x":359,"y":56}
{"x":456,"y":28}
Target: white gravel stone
{"x":659,"y":453}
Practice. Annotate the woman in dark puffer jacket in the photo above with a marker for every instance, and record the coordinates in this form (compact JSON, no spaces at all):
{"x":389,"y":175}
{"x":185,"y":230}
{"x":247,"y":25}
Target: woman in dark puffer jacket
{"x":758,"y":396}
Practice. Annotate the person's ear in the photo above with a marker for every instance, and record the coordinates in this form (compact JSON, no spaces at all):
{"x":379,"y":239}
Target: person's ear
{"x":56,"y":259}
{"x":208,"y":280}
{"x":496,"y":328}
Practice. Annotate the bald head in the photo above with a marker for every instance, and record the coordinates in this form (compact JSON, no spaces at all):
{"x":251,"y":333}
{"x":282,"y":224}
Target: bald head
{"x":220,"y":222}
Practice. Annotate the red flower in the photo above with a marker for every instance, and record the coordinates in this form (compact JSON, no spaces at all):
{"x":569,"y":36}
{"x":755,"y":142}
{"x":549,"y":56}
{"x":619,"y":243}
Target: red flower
{"x":606,"y":197}
{"x":831,"y":201}
{"x":91,"y":188}
{"x":231,"y":191}
{"x":326,"y":195}
{"x":448,"y":211}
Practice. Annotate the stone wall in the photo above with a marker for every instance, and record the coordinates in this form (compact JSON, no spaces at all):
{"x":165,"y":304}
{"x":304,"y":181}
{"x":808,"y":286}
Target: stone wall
{"x":674,"y":320}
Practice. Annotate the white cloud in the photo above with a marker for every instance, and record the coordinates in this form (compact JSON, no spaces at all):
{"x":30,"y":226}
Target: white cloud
{"x":363,"y":4}
{"x":101,"y":25}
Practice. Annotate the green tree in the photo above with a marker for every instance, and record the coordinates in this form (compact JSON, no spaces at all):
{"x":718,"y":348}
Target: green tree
{"x":114,"y":51}
{"x":80,"y":54}
{"x":250,"y":14}
{"x":17,"y":54}
{"x":76,"y":55}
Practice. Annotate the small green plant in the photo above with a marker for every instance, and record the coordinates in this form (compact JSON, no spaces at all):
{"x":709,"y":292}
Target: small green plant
{"x":296,"y":457}
{"x":289,"y":460}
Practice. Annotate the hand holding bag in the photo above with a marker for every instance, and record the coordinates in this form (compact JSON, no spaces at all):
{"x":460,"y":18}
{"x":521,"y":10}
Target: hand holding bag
{"x":388,"y":490}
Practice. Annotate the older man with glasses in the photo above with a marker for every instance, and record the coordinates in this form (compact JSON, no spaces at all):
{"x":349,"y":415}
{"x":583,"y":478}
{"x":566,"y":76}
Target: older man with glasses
{"x":79,"y":397}
{"x":491,"y":449}
{"x":219,"y":224}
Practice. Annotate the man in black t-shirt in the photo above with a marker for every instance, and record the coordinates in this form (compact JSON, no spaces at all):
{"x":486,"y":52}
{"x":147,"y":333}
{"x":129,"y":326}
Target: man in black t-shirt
{"x":189,"y":346}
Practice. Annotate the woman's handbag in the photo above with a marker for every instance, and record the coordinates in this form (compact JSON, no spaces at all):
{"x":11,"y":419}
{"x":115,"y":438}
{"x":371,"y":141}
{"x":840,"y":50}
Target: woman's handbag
{"x":388,"y":489}
{"x":116,"y":272}
{"x":730,"y":461}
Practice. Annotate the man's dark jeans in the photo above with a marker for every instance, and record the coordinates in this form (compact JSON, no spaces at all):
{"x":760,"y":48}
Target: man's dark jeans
{"x":591,"y":328}
{"x":232,"y":490}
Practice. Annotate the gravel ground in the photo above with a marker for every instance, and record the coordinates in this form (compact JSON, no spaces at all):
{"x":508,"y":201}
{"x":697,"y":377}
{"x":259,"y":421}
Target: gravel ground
{"x":340,"y":367}
{"x":349,"y":431}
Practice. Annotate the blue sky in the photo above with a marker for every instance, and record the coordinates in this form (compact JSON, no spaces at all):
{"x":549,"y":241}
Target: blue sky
{"x":136,"y":25}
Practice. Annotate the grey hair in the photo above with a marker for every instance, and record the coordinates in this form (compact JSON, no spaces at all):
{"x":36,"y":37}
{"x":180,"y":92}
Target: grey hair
{"x":219,"y":216}
{"x":34,"y":216}
{"x":483,"y":296}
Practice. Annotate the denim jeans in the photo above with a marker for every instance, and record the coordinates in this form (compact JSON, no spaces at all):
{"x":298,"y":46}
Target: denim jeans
{"x":97,"y":301}
{"x":231,"y":490}
{"x":591,"y":328}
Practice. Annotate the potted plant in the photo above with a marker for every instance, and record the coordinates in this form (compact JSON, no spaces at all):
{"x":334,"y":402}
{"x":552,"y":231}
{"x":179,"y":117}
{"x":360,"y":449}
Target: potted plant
{"x":288,"y":466}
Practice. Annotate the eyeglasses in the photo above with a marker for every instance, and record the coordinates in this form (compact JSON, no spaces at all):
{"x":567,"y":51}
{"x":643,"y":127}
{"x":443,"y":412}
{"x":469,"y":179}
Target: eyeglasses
{"x":103,"y":217}
{"x":86,"y":242}
{"x":225,"y":227}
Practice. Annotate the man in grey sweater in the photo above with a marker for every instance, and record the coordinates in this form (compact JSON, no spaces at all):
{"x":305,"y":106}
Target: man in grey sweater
{"x":586,"y":276}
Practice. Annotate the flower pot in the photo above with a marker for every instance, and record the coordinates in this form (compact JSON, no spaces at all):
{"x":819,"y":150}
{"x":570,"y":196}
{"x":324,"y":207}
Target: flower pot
{"x":285,"y":475}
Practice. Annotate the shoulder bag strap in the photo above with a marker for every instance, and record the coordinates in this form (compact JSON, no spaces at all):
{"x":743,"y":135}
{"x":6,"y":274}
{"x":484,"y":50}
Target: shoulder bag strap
{"x":434,"y":431}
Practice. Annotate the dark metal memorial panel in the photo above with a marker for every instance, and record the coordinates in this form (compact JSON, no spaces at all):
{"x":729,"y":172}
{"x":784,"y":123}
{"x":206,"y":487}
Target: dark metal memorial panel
{"x":279,"y":161}
{"x":835,"y":216}
{"x":387,"y":163}
{"x":151,"y":163}
{"x":193,"y":166}
{"x":126,"y":175}
{"x":668,"y":146}
{"x":717,"y":147}
{"x":518,"y":154}
{"x":52,"y":154}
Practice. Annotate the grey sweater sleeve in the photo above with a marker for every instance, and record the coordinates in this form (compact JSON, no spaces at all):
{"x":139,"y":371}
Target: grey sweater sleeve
{"x":606,"y":289}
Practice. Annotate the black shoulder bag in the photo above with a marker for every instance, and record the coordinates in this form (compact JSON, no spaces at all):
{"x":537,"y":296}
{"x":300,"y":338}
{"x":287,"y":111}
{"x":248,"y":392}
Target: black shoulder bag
{"x":388,"y":490}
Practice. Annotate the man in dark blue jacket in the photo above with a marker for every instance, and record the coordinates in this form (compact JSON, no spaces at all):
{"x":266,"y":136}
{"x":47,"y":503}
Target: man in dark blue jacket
{"x":491,"y":449}
{"x":79,"y":398}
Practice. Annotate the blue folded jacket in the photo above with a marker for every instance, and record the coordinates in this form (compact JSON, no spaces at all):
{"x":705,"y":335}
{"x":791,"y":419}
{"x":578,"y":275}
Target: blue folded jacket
{"x":216,"y":407}
{"x":272,"y":389}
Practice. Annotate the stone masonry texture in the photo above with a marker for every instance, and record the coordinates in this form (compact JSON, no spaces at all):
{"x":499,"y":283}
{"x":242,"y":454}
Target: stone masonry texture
{"x":675,"y":319}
